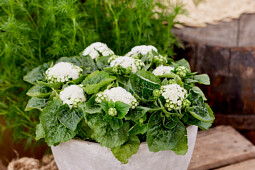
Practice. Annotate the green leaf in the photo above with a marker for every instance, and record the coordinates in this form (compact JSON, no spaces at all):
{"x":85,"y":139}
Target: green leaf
{"x":144,"y":79}
{"x":138,"y":129}
{"x":96,"y":80}
{"x":84,"y":62}
{"x":122,"y":109}
{"x":184,"y":63}
{"x":90,"y":106}
{"x":39,"y":91}
{"x":36,"y":103}
{"x":103,"y":132}
{"x":201,"y":113}
{"x":137,"y":113}
{"x":69,"y":117}
{"x":55,"y":132}
{"x":114,"y":122}
{"x":159,"y":138}
{"x":56,"y":85}
{"x":85,"y":132}
{"x":125,"y":151}
{"x":202,"y":79}
{"x":169,"y":122}
{"x":199,"y":91}
{"x":37,"y":74}
{"x":39,"y":132}
{"x":102,"y":62}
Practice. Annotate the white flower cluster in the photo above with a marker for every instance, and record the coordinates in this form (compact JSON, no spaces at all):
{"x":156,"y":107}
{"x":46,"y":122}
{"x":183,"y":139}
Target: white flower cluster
{"x":72,"y":95}
{"x":96,"y":49}
{"x":117,"y":94}
{"x":159,"y":59}
{"x":62,"y":72}
{"x":162,"y":70}
{"x":181,"y":71}
{"x":174,"y":95}
{"x":141,"y":50}
{"x":128,"y":63}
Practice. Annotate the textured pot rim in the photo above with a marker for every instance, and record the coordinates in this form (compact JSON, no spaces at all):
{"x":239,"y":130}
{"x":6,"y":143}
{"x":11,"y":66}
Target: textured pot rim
{"x":98,"y":144}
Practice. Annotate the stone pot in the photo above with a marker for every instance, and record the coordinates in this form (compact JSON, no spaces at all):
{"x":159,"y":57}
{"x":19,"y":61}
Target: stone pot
{"x":83,"y":155}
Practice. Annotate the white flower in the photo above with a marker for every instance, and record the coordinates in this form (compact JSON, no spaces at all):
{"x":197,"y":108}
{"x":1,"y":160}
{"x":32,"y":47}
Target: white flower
{"x":62,"y":72}
{"x":72,"y":95}
{"x":96,"y":49}
{"x":174,"y":95}
{"x":126,"y":62}
{"x":117,"y":94}
{"x":142,"y":50}
{"x":162,"y":70}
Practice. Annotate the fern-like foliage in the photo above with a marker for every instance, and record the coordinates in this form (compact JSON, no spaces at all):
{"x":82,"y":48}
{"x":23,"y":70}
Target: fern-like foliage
{"x":34,"y":31}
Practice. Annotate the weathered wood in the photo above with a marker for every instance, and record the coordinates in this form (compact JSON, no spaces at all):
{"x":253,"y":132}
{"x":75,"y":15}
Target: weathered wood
{"x":236,"y":33}
{"x":220,"y":146}
{"x":246,"y":165}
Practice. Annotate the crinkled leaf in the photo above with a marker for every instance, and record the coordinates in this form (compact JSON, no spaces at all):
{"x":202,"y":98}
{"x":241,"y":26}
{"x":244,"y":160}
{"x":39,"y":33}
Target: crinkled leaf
{"x":36,"y":103}
{"x":144,"y":79}
{"x":102,"y":61}
{"x":39,"y":91}
{"x":170,"y":123}
{"x":199,"y":91}
{"x":97,"y":80}
{"x":103,"y":132}
{"x":85,"y":132}
{"x":159,"y":138}
{"x":69,"y":117}
{"x":37,"y":74}
{"x":90,"y":106}
{"x":122,"y":109}
{"x":55,"y":132}
{"x":137,"y":113}
{"x":201,"y":113}
{"x":202,"y":79}
{"x":125,"y":151}
{"x":56,"y":85}
{"x":114,"y":122}
{"x":84,"y":62}
{"x":138,"y":129}
{"x":39,"y":132}
{"x":184,"y":63}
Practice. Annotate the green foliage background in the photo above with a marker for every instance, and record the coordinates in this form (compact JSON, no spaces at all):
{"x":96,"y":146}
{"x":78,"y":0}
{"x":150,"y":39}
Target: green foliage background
{"x":34,"y":31}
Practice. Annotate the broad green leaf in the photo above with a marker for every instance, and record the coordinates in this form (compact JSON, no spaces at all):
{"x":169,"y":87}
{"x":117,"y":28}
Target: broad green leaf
{"x":144,"y":79}
{"x":159,"y":138}
{"x":84,"y":62}
{"x":51,"y":85}
{"x":200,"y":113}
{"x":138,"y":129}
{"x":39,"y":91}
{"x":122,"y":109}
{"x":125,"y":151}
{"x":36,"y":103}
{"x":55,"y":132}
{"x":201,"y":124}
{"x":169,"y":122}
{"x":85,"y":132}
{"x":103,"y":133}
{"x":188,"y":81}
{"x":202,"y":79}
{"x":199,"y":91}
{"x":69,"y":117}
{"x":137,"y":113}
{"x":96,"y":80}
{"x":37,"y":74}
{"x":90,"y":106}
{"x":114,"y":122}
{"x":184,"y":63}
{"x":102,"y":62}
{"x":39,"y":132}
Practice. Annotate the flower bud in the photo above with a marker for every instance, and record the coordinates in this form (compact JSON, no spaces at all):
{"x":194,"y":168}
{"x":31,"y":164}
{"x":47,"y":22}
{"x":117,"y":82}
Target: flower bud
{"x":181,"y":71}
{"x":112,"y":112}
{"x":156,"y":93}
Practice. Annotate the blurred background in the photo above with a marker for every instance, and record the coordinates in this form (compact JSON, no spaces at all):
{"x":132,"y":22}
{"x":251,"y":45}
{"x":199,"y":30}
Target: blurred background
{"x":216,"y":36}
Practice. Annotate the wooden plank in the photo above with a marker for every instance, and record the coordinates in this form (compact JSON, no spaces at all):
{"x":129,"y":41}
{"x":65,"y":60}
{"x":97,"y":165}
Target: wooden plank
{"x":220,"y":146}
{"x":246,"y":165}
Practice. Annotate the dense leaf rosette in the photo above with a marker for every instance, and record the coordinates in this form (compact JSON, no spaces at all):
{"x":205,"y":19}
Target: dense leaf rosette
{"x":119,"y":101}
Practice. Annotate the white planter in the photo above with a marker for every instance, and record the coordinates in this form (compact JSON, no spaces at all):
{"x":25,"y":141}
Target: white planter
{"x":84,"y":155}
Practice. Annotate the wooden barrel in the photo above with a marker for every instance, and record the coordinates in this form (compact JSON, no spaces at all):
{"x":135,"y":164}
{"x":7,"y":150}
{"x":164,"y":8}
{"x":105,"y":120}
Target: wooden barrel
{"x":226,"y":52}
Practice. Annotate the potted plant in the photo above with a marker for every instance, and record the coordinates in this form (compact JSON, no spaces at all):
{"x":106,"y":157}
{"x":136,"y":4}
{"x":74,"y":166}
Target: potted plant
{"x":142,"y":108}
